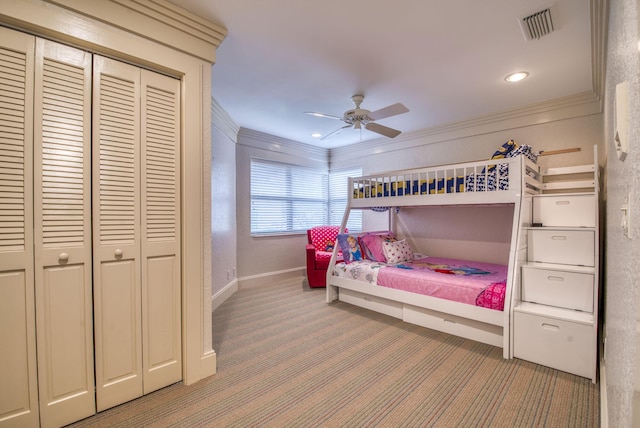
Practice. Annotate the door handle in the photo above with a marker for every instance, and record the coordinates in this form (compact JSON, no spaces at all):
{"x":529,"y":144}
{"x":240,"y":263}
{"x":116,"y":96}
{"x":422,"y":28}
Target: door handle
{"x":118,"y":253}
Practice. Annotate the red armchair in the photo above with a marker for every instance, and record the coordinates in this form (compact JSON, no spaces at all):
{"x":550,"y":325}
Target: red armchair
{"x":321,"y":239}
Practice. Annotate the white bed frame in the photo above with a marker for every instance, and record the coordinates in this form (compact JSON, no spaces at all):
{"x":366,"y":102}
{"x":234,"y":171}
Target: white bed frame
{"x":460,"y":319}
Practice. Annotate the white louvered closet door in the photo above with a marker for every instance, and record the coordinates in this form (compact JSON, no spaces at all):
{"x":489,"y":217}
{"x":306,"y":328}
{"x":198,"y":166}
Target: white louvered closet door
{"x":160,"y":252}
{"x":18,"y":379}
{"x":116,"y":237}
{"x":62,"y":233}
{"x":136,"y":231}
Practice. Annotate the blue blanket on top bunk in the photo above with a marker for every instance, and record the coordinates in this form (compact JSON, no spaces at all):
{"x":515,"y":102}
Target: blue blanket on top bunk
{"x":495,"y":177}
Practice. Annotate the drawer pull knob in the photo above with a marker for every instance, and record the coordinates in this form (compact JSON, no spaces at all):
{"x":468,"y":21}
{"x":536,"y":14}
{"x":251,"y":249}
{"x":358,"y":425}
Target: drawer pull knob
{"x":559,"y":238}
{"x":63,"y":258}
{"x":555,"y":278}
{"x":563,"y":202}
{"x":551,"y":327}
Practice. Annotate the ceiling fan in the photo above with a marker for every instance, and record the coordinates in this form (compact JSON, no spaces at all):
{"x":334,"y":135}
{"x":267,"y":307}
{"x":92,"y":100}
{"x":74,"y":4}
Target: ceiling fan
{"x":359,"y":118}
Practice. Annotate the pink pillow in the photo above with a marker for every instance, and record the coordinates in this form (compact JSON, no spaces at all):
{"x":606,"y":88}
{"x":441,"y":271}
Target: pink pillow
{"x":397,"y":252}
{"x":372,"y":245}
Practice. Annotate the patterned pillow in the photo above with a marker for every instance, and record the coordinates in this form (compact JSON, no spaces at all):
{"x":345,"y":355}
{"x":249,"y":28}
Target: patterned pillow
{"x":504,"y":150}
{"x":397,"y":252}
{"x":350,"y":247}
{"x":371,"y":244}
{"x":524,"y":150}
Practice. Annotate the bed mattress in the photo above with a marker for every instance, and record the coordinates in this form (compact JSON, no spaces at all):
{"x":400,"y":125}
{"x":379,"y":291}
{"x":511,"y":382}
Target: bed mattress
{"x":474,"y":283}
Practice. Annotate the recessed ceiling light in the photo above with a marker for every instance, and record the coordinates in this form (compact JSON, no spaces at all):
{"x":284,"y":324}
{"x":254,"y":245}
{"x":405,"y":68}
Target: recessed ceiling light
{"x":516,"y":77}
{"x":316,"y":135}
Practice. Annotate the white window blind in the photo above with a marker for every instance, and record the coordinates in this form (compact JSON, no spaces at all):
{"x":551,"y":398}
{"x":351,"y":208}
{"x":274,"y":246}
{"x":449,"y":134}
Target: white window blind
{"x":287,"y":198}
{"x":338,"y":199}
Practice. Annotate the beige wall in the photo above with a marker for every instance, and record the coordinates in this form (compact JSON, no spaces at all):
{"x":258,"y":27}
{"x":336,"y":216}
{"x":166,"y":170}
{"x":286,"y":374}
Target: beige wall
{"x":262,"y":256}
{"x":265,"y":255}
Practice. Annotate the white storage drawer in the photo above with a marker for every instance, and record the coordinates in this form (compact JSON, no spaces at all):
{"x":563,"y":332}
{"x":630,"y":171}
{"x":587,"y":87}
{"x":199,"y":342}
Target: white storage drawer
{"x":559,"y":344}
{"x":570,"y":210}
{"x":451,"y":324}
{"x":374,"y":303}
{"x":570,"y":290}
{"x":569,"y":247}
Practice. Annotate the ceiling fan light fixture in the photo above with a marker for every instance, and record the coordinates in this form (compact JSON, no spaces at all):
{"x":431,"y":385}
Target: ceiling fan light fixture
{"x":516,"y":77}
{"x":316,"y":135}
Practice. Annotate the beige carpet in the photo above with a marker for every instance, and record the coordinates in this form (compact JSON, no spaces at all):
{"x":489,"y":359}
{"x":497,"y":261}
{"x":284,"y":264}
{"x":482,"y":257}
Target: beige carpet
{"x":287,"y":359}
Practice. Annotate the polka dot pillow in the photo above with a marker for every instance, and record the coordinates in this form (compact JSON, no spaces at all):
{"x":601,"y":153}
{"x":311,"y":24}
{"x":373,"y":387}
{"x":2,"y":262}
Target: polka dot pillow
{"x":397,"y":252}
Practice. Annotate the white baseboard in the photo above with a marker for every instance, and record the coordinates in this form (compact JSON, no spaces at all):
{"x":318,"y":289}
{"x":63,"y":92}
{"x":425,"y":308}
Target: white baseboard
{"x":271,"y":277}
{"x":604,"y":415}
{"x":221,"y":296}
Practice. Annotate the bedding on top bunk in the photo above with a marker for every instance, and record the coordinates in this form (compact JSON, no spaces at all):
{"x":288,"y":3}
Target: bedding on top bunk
{"x":496,"y":177}
{"x":378,"y":258}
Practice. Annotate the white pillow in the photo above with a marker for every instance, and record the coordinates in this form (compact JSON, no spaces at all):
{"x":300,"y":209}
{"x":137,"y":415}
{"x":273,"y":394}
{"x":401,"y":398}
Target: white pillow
{"x":397,"y":252}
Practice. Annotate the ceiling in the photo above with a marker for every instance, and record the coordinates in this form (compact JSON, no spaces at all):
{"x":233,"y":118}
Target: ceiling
{"x":446,"y":61}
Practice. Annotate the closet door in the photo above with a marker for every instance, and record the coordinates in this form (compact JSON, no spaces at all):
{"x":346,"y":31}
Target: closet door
{"x":161,"y":309}
{"x":116,"y":237}
{"x":136,"y":231}
{"x":18,"y":379}
{"x":62,"y":233}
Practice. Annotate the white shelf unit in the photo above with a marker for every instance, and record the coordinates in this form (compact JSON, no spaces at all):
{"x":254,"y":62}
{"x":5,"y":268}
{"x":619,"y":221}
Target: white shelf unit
{"x":555,"y":316}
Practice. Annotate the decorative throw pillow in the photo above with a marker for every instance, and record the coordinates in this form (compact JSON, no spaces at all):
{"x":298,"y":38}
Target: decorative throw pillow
{"x":371,"y":244}
{"x":350,"y":247}
{"x":524,"y":150}
{"x":504,"y":150}
{"x":397,"y":252}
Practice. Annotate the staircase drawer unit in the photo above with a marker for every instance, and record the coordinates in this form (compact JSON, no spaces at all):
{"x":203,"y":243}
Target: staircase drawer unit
{"x":560,"y":288}
{"x":571,"y":247}
{"x":556,"y":343}
{"x":565,"y":210}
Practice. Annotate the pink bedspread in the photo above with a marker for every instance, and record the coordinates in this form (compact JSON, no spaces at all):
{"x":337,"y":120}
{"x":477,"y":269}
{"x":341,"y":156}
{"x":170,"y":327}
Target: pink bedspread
{"x":475,"y":283}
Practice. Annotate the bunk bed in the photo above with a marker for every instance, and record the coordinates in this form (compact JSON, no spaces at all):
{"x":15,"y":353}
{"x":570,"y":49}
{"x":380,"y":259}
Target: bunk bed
{"x":504,"y":179}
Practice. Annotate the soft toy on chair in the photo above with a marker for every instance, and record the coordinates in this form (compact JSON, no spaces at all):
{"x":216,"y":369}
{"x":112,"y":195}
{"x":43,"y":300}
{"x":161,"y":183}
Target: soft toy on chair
{"x":329,"y":246}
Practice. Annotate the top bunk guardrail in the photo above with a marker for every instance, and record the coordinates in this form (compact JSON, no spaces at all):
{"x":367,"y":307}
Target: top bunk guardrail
{"x":482,"y":182}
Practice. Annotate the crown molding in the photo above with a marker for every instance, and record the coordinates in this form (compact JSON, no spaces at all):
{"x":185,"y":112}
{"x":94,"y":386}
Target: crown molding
{"x":599,"y":20}
{"x":261,"y":140}
{"x":223,"y":121}
{"x":157,"y":20}
{"x":586,"y":103}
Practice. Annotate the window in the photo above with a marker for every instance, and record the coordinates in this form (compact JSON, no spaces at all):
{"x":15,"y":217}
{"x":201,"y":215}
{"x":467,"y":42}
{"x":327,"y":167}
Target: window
{"x":338,"y":199}
{"x":289,"y":198}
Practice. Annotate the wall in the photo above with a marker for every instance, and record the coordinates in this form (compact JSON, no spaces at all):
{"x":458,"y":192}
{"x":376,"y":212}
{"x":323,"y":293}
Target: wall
{"x":621,"y":253}
{"x":573,"y":126}
{"x":224,"y":135}
{"x":479,"y":233}
{"x":269,"y":255}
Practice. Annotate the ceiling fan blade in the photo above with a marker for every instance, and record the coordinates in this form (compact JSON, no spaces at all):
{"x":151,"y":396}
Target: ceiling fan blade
{"x":382,"y":130}
{"x":336,"y":132}
{"x":328,"y":116}
{"x":392,"y":110}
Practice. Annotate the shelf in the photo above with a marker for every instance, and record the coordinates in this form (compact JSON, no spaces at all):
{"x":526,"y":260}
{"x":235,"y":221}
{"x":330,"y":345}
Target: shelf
{"x":554,"y":312}
{"x":570,"y":228}
{"x":578,"y":169}
{"x":562,"y":267}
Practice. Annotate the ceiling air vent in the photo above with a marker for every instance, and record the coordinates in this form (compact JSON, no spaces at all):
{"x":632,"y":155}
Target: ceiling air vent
{"x":537,"y":24}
